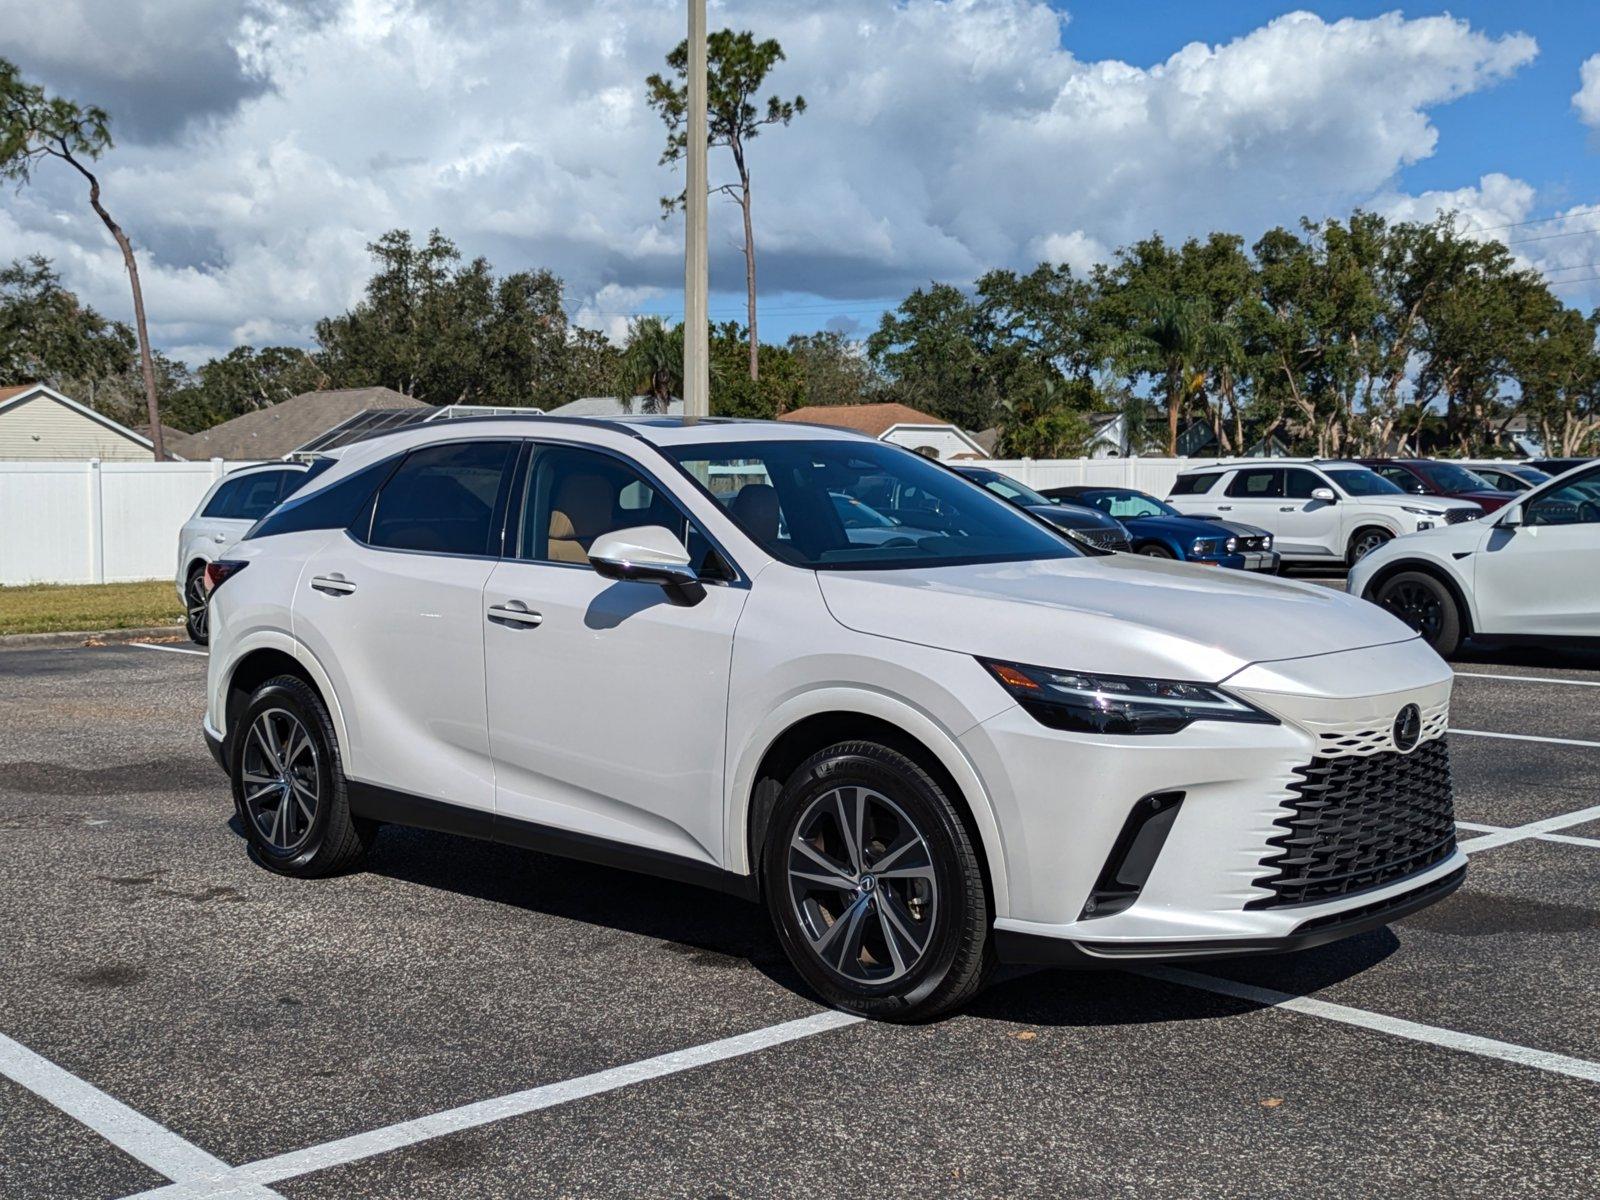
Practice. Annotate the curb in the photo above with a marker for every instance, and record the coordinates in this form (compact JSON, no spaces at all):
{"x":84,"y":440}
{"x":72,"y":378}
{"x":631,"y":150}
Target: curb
{"x":105,"y":637}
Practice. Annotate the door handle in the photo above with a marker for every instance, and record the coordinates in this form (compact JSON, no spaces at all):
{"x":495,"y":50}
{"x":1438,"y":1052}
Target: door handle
{"x":332,"y":585}
{"x":1224,"y":508}
{"x":219,"y":537}
{"x":514,"y":614}
{"x":1286,"y":508}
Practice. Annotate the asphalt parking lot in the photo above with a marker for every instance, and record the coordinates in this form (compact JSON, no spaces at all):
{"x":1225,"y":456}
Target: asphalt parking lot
{"x":465,"y":1020}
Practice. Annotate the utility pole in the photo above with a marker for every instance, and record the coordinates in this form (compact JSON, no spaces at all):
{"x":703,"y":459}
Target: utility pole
{"x":696,"y":330}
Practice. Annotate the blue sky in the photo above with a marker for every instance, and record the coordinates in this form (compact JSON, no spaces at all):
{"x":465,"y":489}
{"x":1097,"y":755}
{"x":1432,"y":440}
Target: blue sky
{"x":262,"y":145}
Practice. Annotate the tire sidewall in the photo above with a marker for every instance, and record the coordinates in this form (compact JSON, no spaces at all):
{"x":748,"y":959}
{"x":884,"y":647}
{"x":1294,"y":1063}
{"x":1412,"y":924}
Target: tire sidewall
{"x":1449,"y":627}
{"x":907,"y":785}
{"x":199,"y":639}
{"x":294,"y":697}
{"x":1361,"y":535}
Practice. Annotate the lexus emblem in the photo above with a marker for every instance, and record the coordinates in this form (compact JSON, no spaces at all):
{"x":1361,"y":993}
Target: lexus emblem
{"x":1407,"y":727}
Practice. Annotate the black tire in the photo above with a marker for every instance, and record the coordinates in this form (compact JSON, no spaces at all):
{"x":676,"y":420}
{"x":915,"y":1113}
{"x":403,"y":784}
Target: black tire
{"x":1425,"y":604}
{"x":333,"y":839}
{"x":955,"y":953}
{"x":1155,"y":550}
{"x":1363,"y":542}
{"x":197,"y":607}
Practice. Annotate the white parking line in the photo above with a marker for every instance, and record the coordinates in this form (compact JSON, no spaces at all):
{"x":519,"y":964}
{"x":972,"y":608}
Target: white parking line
{"x":168,"y":649}
{"x":1520,"y":833}
{"x":1530,"y":679}
{"x":1524,"y":737}
{"x":485,"y":1112}
{"x":135,"y":1134}
{"x":1433,"y":1035}
{"x":1566,"y":839}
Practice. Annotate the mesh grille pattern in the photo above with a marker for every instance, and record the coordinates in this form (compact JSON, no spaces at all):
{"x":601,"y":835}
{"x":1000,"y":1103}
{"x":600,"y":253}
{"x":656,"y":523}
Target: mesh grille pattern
{"x":1355,"y":823}
{"x":1455,"y":516}
{"x":1334,"y":742}
{"x":1105,"y":539}
{"x":1256,"y":542}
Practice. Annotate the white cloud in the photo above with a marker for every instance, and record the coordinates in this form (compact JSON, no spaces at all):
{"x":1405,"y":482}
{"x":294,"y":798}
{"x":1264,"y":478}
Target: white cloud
{"x":1587,"y":98}
{"x":942,"y":139}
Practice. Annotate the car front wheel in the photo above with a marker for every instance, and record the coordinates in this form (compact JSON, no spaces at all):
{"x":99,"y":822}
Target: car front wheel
{"x":1152,"y":550}
{"x":1425,"y":604}
{"x":1364,"y":541}
{"x":875,"y":886}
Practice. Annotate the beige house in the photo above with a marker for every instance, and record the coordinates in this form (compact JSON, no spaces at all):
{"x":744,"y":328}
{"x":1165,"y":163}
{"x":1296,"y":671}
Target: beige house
{"x":38,"y":422}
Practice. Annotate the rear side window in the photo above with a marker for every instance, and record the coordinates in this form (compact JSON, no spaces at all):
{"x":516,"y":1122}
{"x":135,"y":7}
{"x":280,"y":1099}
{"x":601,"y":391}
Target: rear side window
{"x":446,"y":499}
{"x":1257,"y":484}
{"x":249,"y":497}
{"x":1193,"y":485}
{"x":334,"y":507}
{"x":226,"y":497}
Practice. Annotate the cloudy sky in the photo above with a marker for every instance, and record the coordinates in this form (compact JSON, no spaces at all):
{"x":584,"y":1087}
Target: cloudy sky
{"x":263,"y":143}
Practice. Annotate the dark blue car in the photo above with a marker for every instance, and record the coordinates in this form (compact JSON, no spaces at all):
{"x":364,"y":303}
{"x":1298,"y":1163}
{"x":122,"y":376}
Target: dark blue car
{"x":1161,"y":531}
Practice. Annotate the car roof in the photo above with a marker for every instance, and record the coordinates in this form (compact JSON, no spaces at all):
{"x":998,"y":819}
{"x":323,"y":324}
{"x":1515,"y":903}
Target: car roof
{"x":1243,"y":463}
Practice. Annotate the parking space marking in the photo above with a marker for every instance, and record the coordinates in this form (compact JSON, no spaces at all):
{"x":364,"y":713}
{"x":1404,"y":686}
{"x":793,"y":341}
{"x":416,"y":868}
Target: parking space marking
{"x":168,"y":649}
{"x":1524,"y":737}
{"x":1533,"y":829}
{"x":135,"y":1134}
{"x":1566,"y":839}
{"x":485,"y":1112}
{"x":1594,"y":683}
{"x":1433,"y":1035}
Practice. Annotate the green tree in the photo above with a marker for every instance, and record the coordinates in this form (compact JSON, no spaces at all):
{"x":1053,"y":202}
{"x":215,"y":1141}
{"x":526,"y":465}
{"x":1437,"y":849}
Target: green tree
{"x":832,"y":369}
{"x":243,"y":380}
{"x":35,"y":126}
{"x":48,"y":335}
{"x":736,"y":68}
{"x":1171,"y":343}
{"x":933,"y":351}
{"x":1047,"y":420}
{"x":652,"y":362}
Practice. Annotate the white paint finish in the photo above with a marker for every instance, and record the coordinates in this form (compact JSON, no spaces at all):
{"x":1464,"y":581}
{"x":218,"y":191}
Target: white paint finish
{"x":1524,"y":737}
{"x":135,"y":1134}
{"x":486,"y":1112}
{"x":1530,"y":679}
{"x":54,"y":533}
{"x":1433,"y":1035}
{"x":1521,"y":832}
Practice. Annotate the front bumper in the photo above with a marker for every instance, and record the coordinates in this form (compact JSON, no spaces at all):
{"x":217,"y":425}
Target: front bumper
{"x":1249,"y":560}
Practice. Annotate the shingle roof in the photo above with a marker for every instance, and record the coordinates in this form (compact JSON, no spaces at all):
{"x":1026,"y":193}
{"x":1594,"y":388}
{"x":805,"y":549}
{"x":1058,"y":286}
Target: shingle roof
{"x":274,"y":432}
{"x":872,"y":419}
{"x":7,"y":393}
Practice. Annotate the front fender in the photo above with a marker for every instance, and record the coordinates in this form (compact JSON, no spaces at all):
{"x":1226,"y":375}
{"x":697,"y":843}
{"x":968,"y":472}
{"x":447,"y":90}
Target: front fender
{"x":894,"y":710}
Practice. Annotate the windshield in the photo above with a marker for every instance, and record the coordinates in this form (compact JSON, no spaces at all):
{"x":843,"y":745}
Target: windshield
{"x":1532,"y":474}
{"x":1004,"y":485}
{"x":1358,"y":481}
{"x":791,"y":498}
{"x":1449,"y":477}
{"x":1125,"y":502}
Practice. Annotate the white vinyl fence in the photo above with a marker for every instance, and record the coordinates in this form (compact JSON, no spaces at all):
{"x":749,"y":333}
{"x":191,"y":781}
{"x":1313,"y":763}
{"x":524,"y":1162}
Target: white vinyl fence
{"x":1153,"y":475}
{"x":97,"y":522}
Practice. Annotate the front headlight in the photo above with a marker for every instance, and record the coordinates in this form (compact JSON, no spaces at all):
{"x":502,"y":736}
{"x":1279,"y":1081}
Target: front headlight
{"x":1421,"y":512}
{"x":1204,"y":547}
{"x":1232,"y":544}
{"x":1086,"y":703}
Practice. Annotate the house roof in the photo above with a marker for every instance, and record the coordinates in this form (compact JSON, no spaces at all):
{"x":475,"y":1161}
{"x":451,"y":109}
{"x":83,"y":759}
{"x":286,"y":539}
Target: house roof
{"x":612,"y":406}
{"x":874,"y":420}
{"x":10,"y":393}
{"x":27,"y":391}
{"x":278,"y":430}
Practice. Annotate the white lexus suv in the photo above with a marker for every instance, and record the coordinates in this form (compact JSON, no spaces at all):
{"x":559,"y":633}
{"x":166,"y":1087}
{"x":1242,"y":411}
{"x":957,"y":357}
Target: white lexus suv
{"x":1318,"y":510}
{"x":654,"y":644}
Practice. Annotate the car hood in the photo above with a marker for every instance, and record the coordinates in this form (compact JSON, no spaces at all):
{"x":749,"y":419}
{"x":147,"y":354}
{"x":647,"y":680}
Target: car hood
{"x":1433,"y":504}
{"x":1188,"y":528}
{"x":1120,"y":614}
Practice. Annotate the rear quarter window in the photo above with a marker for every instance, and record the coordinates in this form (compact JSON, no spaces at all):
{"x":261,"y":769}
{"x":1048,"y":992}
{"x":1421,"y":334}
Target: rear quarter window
{"x":1193,"y":485}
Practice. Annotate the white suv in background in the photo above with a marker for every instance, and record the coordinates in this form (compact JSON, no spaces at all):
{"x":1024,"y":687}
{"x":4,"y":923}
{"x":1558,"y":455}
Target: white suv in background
{"x":1318,"y":510}
{"x":1531,"y":572}
{"x":224,"y":515}
{"x":655,"y":644}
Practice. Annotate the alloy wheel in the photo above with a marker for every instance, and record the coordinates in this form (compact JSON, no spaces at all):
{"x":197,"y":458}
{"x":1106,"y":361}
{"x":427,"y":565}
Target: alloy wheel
{"x":862,"y":885}
{"x":1368,"y":543}
{"x":281,"y":774}
{"x":198,"y":605}
{"x":1417,"y":605}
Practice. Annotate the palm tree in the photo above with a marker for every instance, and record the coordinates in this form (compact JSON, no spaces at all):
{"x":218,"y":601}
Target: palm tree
{"x":1171,"y":342}
{"x":652,"y":362}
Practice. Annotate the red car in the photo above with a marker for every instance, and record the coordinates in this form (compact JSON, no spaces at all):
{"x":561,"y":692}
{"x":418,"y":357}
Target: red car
{"x":1430,"y":477}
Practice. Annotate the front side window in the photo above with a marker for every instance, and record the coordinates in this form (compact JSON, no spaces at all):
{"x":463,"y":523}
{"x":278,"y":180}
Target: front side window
{"x":1402,"y":479}
{"x":1359,"y":481}
{"x":1298,"y":483}
{"x":1575,"y":502}
{"x":1261,"y":483}
{"x":785,"y":495}
{"x":573,"y":495}
{"x":445,"y":499}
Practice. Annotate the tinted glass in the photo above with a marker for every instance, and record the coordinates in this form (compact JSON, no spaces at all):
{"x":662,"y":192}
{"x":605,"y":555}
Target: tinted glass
{"x":444,"y":499}
{"x":1575,"y":502}
{"x":1402,"y":479}
{"x":1257,"y":484}
{"x":1006,"y":487}
{"x":1358,"y":481}
{"x":572,"y":496}
{"x":225,"y":497}
{"x":259,"y":495}
{"x":783,"y":494}
{"x":1299,"y":484}
{"x":1123,"y":502}
{"x":334,"y":507}
{"x":1451,"y":477}
{"x":1533,"y":474}
{"x":1193,"y":485}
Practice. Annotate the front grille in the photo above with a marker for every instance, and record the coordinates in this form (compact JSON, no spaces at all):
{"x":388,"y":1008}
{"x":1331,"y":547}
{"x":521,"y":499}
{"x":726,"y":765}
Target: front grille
{"x":1355,"y":823}
{"x":1253,"y":543}
{"x":1454,"y":516}
{"x":1104,"y":539}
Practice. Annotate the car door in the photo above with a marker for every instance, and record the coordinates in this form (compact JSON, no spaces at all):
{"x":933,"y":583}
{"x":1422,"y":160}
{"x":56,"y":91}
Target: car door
{"x":607,"y":703}
{"x":1307,"y":525}
{"x":392,"y":610}
{"x":1254,"y":495}
{"x":1542,"y":576}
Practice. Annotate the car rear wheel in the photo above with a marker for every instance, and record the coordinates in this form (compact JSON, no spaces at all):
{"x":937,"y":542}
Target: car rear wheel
{"x":1364,"y":541}
{"x":197,"y":607}
{"x":289,"y":787}
{"x":1425,"y":604}
{"x":875,"y":887}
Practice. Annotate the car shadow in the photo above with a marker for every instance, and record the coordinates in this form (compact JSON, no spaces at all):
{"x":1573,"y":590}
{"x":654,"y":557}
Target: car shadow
{"x":713,"y":930}
{"x":1554,"y":657}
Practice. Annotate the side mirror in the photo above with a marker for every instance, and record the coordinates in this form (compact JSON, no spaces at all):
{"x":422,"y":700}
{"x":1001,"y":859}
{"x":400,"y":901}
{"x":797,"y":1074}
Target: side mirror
{"x":1511,"y":517}
{"x":648,"y":554}
{"x":1326,"y":495}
